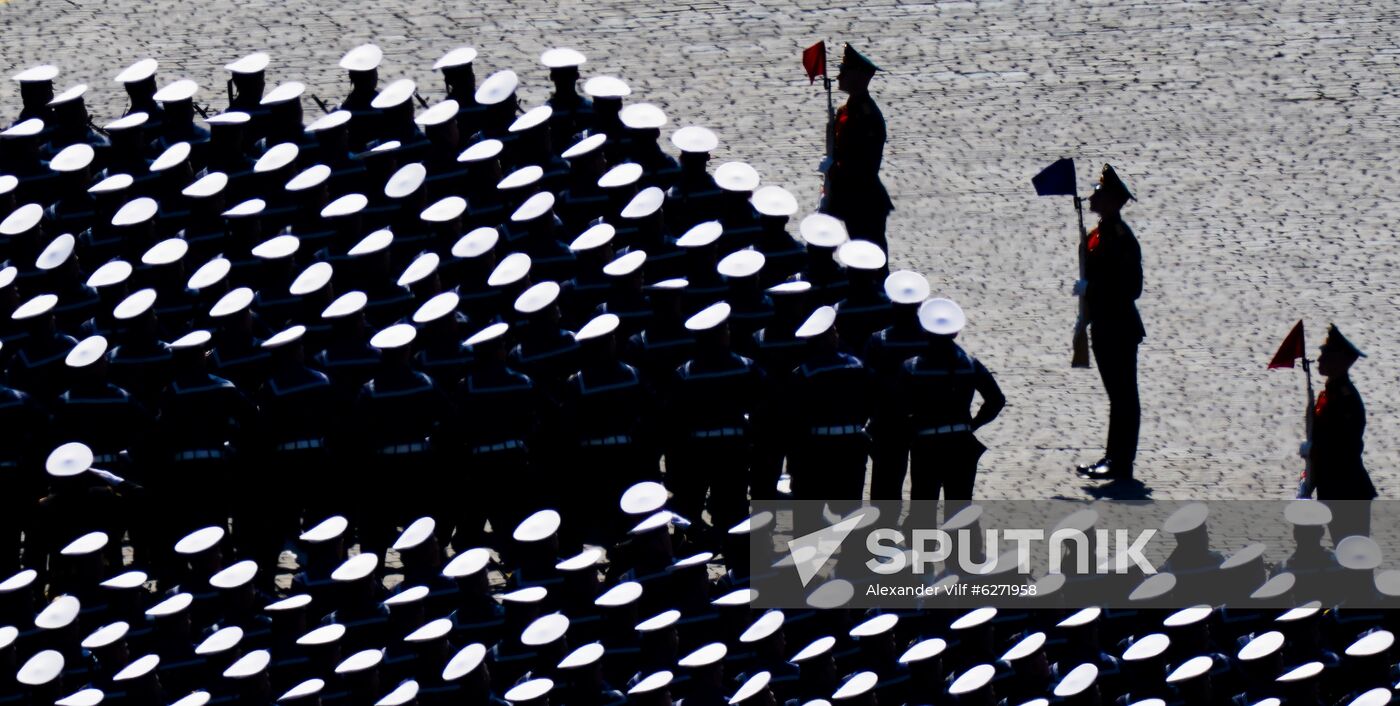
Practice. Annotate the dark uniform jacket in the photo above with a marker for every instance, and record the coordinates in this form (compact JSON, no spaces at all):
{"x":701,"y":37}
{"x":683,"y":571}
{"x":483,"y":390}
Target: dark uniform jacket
{"x":298,"y":408}
{"x":37,"y":367}
{"x":547,"y":354}
{"x":1113,"y":269}
{"x":24,"y":423}
{"x":203,"y":413}
{"x":710,"y":395}
{"x":1338,"y":427}
{"x":939,"y":385}
{"x":859,"y":147}
{"x":105,"y":417}
{"x":399,"y":407}
{"x":608,"y":400}
{"x":496,"y":405}
{"x":829,"y":390}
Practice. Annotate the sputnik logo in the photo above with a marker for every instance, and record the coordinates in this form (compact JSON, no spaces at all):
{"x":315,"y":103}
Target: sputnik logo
{"x":812,"y":552}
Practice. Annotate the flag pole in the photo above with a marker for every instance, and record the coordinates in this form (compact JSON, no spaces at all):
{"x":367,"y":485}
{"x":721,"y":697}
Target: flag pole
{"x":1079,"y":346}
{"x":1058,"y":180}
{"x":1305,"y":483}
{"x":830,"y":135}
{"x":1294,"y":348}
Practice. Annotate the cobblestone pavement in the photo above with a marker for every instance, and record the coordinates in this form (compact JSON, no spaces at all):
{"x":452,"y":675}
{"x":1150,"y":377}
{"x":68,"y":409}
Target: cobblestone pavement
{"x":1259,"y":137}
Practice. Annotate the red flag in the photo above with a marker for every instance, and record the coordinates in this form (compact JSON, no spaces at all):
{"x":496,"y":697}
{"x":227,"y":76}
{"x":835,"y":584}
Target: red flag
{"x":814,"y":60}
{"x":1291,"y":350}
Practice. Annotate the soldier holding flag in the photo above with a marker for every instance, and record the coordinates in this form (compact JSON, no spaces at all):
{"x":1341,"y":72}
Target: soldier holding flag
{"x":1334,"y":451}
{"x":1110,"y":287}
{"x":855,"y":146}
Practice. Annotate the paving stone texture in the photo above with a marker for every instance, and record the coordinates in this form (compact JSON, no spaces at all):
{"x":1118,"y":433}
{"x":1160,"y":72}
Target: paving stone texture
{"x":1260,"y":137}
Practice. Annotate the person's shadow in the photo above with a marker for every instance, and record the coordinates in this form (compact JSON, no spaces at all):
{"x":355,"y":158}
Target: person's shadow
{"x":1119,"y":490}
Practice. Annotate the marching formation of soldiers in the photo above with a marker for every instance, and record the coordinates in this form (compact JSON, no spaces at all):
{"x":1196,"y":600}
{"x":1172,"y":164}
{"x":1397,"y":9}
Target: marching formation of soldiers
{"x":647,"y":620}
{"x":391,"y":329}
{"x":539,"y":305}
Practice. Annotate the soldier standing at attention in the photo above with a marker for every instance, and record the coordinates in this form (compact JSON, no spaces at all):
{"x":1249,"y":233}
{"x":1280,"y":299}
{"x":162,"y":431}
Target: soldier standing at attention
{"x":297,"y":412}
{"x":1112,"y":283}
{"x":362,"y":63}
{"x":497,"y":420}
{"x":1339,"y":425}
{"x":829,"y":394}
{"x":885,"y":353}
{"x":855,"y":193}
{"x":939,"y":385}
{"x":713,"y":397}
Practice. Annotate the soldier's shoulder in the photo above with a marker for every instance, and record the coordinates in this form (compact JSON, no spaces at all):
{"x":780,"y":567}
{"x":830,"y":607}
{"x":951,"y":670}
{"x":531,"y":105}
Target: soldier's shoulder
{"x":12,"y":395}
{"x":748,"y":363}
{"x":422,"y":380}
{"x":867,"y":106}
{"x":1347,"y":392}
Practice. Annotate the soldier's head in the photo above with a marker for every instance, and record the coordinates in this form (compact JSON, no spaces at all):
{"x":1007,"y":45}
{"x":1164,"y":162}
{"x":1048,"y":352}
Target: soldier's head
{"x":189,"y":351}
{"x":626,"y":273}
{"x":563,"y":69}
{"x":332,"y":133}
{"x":741,"y":270}
{"x":457,"y":73}
{"x":538,"y":305}
{"x":489,"y":344}
{"x":177,"y":101}
{"x":248,"y":75}
{"x":394,"y":345}
{"x":1309,"y":519}
{"x":598,"y":339}
{"x":362,"y":63}
{"x":346,"y":316}
{"x":943,"y":318}
{"x":695,"y":143}
{"x":711,"y":328}
{"x":70,"y":111}
{"x":856,"y":72}
{"x":906,"y":290}
{"x":819,"y":330}
{"x":1110,"y":193}
{"x":665,"y":300}
{"x":36,"y":87}
{"x":87,"y":362}
{"x":139,"y":80}
{"x":36,"y":317}
{"x":286,"y":347}
{"x":652,"y":690}
{"x":1337,"y":354}
{"x":864,"y":262}
{"x":232,"y":314}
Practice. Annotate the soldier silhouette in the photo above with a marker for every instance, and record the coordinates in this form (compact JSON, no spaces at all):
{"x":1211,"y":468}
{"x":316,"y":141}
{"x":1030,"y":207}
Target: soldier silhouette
{"x":855,"y":193}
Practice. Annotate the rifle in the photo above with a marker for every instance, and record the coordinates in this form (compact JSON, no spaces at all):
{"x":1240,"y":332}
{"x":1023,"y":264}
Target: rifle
{"x":830,"y":143}
{"x":814,"y":62}
{"x":1079,"y":356}
{"x":1305,"y":481}
{"x":1058,"y":180}
{"x":1289,"y":352}
{"x":321,"y":104}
